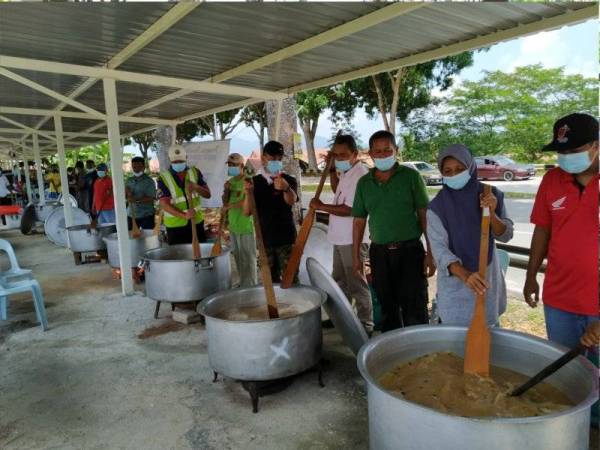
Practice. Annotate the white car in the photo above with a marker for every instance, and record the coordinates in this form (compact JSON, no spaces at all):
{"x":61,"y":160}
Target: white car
{"x":431,"y":176}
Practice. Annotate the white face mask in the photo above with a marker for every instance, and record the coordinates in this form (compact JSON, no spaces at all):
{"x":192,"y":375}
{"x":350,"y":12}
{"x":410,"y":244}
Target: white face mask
{"x":138,"y":174}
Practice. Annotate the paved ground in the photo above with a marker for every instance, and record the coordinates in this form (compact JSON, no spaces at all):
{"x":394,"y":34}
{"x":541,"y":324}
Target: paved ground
{"x":91,"y":382}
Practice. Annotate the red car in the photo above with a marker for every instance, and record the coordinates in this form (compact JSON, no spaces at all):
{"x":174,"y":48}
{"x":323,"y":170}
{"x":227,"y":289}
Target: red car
{"x":502,"y":168}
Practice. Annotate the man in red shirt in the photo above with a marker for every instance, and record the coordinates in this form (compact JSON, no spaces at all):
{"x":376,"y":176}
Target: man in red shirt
{"x":565,"y":215}
{"x":104,"y":204}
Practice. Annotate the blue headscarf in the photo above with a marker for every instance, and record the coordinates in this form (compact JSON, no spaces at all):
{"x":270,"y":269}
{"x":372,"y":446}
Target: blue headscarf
{"x":459,"y":210}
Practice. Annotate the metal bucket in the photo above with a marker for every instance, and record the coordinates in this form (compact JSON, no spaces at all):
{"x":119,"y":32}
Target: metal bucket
{"x":396,"y":423}
{"x":260,"y":350}
{"x":137,"y":247}
{"x":172,"y":274}
{"x":84,"y":239}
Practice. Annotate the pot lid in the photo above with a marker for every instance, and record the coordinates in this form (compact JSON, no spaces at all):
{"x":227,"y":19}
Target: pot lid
{"x":337,"y":306}
{"x":319,"y":248}
{"x":54,"y":226}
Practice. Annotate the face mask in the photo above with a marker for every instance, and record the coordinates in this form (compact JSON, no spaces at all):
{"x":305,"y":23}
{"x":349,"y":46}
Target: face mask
{"x":343,"y":166}
{"x":101,"y":173}
{"x":575,"y":162}
{"x":89,"y":170}
{"x":233,"y":171}
{"x":179,"y":167}
{"x":138,"y":174}
{"x":274,"y":167}
{"x":385,"y":164}
{"x":457,"y":181}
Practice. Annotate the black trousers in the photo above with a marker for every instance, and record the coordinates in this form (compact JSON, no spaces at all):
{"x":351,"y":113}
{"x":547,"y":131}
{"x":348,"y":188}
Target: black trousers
{"x":145,"y":223}
{"x":400,"y":283}
{"x":183,"y":235}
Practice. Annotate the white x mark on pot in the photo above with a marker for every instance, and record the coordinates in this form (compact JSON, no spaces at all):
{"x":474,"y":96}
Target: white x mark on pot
{"x":280,"y":351}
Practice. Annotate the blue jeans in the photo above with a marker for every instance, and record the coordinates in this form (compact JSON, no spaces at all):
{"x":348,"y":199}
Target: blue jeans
{"x":107,"y":216}
{"x":566,"y":328}
{"x":52,"y":195}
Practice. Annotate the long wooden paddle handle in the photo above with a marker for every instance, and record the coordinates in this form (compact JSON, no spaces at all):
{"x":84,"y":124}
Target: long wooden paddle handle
{"x":265,"y":270}
{"x":298,"y":249}
{"x":195,"y":243}
{"x":134,"y":226}
{"x":549,"y":370}
{"x":485,"y":236}
{"x":156,"y":230}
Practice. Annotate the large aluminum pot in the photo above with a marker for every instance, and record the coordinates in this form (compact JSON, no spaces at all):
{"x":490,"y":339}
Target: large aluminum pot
{"x":395,"y":423}
{"x":137,"y":247}
{"x":42,"y":211}
{"x":172,"y":274}
{"x":260,"y":350}
{"x":82,"y":238}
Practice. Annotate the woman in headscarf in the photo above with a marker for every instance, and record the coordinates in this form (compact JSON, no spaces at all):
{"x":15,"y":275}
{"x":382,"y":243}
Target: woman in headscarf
{"x":454,"y":231}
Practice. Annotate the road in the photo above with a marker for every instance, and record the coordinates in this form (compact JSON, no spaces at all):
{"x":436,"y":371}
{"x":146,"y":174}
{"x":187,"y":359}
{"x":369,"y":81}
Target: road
{"x":519,"y":210}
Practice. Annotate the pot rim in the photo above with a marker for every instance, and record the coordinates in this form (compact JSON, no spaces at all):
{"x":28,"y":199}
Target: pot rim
{"x":114,"y":237}
{"x":208,"y":299}
{"x":224,"y":251}
{"x":391,"y":335}
{"x":87,"y":226}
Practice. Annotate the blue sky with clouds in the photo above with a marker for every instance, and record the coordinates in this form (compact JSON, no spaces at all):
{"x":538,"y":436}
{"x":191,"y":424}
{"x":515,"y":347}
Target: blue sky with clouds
{"x":574,"y":47}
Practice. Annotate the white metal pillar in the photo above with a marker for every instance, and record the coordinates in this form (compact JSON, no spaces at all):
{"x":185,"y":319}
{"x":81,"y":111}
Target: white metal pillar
{"x":38,"y":168}
{"x":116,"y":167}
{"x":27,"y":179}
{"x":278,"y":120}
{"x":62,"y":167}
{"x":216,"y":127}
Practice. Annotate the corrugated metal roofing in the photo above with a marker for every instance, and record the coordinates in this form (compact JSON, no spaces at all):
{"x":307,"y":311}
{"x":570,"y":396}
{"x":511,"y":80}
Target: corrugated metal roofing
{"x":216,"y":37}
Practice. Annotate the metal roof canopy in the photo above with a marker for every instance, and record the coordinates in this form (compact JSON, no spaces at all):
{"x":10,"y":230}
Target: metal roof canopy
{"x":179,"y":61}
{"x":72,"y":73}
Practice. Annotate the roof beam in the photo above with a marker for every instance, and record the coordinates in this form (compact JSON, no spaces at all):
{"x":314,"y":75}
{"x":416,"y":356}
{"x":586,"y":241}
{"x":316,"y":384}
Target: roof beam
{"x":80,"y":115}
{"x":569,"y":18}
{"x":24,"y":128}
{"x":166,"y":21}
{"x":44,"y":90}
{"x":49,"y":136}
{"x":354,"y":26}
{"x":133,"y":77}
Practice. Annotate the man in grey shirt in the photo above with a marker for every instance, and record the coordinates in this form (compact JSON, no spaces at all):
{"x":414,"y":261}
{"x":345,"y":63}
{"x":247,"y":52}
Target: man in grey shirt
{"x":141,"y":193}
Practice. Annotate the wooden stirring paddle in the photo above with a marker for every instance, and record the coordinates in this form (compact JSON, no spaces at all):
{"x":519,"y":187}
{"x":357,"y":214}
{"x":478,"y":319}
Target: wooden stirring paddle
{"x":156,"y":230}
{"x":216,"y":249}
{"x":298,"y":249}
{"x":477,"y":345}
{"x":135,"y":230}
{"x":195,"y":243}
{"x":265,"y":270}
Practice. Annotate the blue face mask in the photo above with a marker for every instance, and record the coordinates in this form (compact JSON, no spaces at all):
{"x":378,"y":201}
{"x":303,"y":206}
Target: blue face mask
{"x":179,"y":167}
{"x":233,"y":171}
{"x":575,"y":162}
{"x":101,"y":173}
{"x":385,"y":164}
{"x":274,"y":167}
{"x":457,"y":181}
{"x":343,"y":166}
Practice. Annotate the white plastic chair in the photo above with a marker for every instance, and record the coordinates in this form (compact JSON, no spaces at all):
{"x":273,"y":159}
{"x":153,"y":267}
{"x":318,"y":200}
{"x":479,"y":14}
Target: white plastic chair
{"x":10,"y":284}
{"x":15,"y":273}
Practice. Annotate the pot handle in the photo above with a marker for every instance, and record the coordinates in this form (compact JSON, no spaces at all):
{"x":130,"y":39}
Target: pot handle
{"x":199,"y":266}
{"x":145,"y":264}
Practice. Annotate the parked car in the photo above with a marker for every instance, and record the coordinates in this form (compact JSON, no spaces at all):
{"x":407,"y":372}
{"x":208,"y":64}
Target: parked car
{"x":502,"y":168}
{"x":430,"y":174}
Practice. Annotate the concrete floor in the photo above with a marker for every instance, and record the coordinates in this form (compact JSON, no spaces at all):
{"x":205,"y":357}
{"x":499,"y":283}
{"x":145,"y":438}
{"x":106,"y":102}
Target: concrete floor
{"x":92,"y":382}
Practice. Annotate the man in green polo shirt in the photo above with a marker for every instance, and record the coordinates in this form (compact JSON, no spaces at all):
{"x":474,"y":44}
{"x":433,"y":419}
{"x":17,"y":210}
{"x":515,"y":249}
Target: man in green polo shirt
{"x":394,"y":199}
{"x":241,"y":227}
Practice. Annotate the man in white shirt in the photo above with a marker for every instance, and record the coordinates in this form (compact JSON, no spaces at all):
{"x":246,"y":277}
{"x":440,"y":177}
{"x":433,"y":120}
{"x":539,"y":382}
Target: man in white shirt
{"x":350,"y":170}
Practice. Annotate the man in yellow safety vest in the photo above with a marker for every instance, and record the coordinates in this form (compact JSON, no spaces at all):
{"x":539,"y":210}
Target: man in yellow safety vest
{"x":178,"y":209}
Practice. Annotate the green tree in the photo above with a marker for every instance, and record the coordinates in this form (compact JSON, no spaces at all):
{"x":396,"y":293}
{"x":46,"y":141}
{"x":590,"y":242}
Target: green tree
{"x":513,"y":113}
{"x":145,"y":141}
{"x":393,"y":95}
{"x":309,"y":107}
{"x":255,"y":117}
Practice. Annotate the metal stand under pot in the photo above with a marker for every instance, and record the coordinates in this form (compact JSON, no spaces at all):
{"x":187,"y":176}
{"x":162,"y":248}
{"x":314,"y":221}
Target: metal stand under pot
{"x":174,"y":276}
{"x":266,"y":355}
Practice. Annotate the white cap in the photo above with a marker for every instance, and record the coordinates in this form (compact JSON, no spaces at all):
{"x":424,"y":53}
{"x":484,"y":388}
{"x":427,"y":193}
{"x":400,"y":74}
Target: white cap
{"x":177,"y":153}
